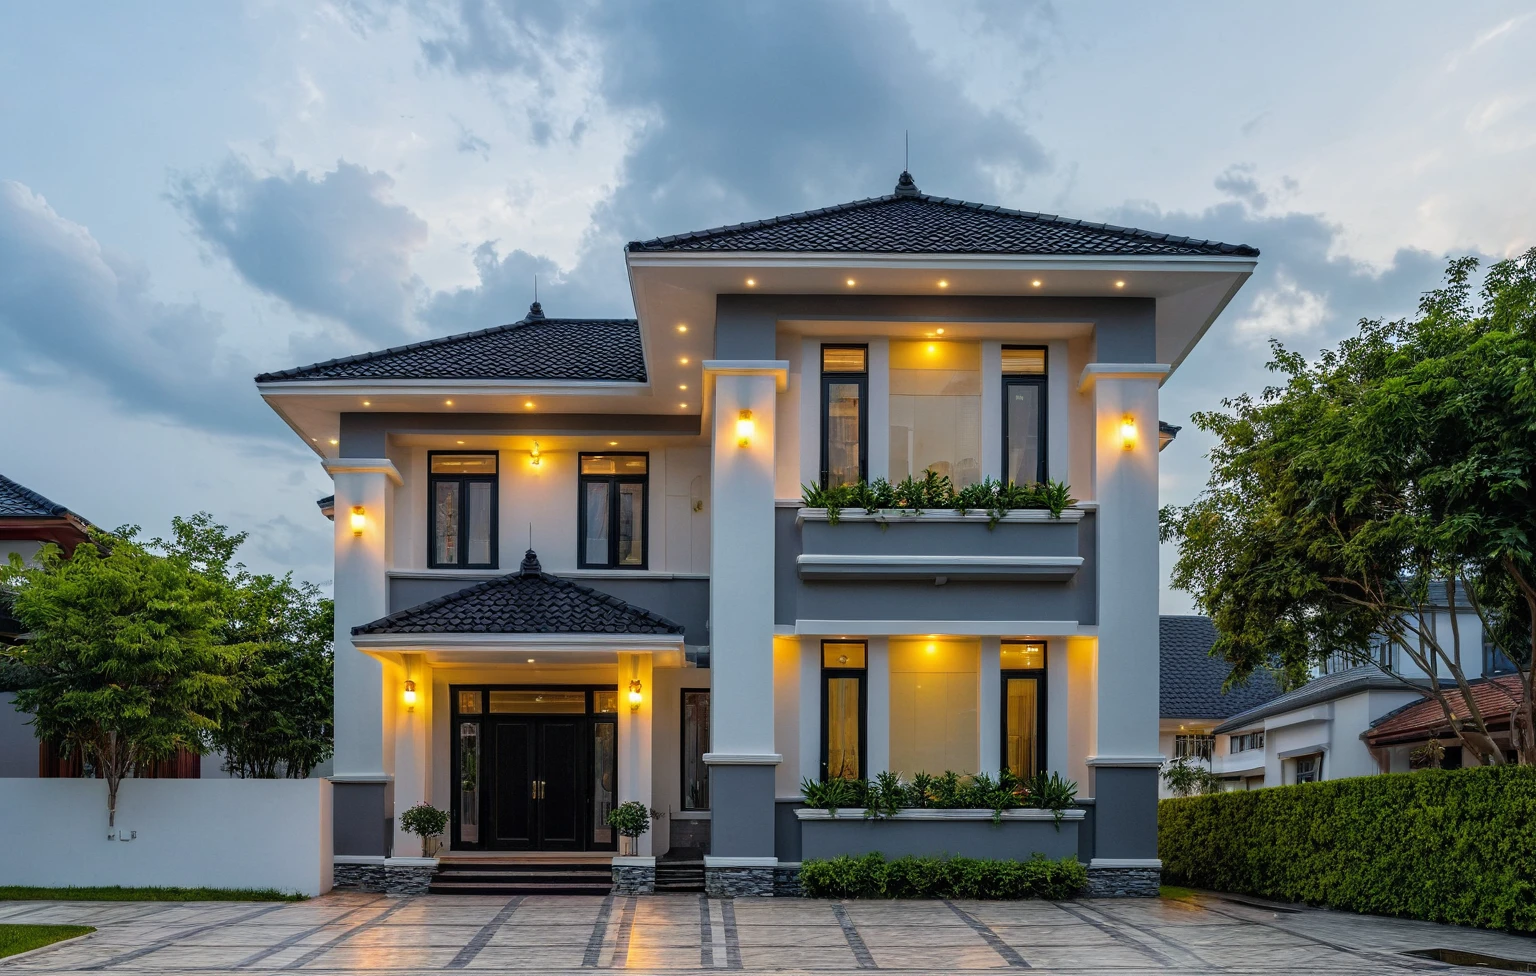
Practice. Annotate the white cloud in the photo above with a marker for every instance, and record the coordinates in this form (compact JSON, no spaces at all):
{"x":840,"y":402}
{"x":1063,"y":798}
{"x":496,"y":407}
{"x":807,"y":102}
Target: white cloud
{"x":1285,"y":310}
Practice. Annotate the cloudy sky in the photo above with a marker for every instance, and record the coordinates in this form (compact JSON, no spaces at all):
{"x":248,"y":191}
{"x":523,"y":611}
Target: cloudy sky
{"x":191,"y":196}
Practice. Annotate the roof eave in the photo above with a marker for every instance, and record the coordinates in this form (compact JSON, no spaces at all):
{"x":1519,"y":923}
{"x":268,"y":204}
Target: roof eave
{"x":949,"y":261}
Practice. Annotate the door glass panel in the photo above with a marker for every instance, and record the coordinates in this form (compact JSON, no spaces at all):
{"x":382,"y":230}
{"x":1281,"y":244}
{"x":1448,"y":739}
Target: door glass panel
{"x":1023,"y":657}
{"x":613,"y":464}
{"x":1021,"y":711}
{"x":538,"y":702}
{"x":1020,"y":359}
{"x":604,"y":702}
{"x":445,"y":521}
{"x":843,"y":409}
{"x":469,"y":702}
{"x":479,"y":530}
{"x":843,"y":747}
{"x":463,"y":464}
{"x":597,"y":522}
{"x":469,"y":779}
{"x":631,"y":525}
{"x":842,"y":654}
{"x":1024,"y":432}
{"x":844,"y":359}
{"x":604,"y":777}
{"x":695,"y":745}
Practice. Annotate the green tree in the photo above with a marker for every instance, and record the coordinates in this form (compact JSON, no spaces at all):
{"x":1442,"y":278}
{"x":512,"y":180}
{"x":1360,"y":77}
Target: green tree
{"x":124,"y":653}
{"x":1401,"y":461}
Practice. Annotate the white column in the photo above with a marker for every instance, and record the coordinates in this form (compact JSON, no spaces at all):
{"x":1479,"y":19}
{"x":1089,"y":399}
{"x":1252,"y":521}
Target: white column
{"x":810,"y":709}
{"x":989,"y":713}
{"x":877,"y":713}
{"x":1058,"y":426}
{"x":634,"y":731}
{"x":1058,"y":707}
{"x":991,"y":410}
{"x":412,"y":725}
{"x":878,"y":410}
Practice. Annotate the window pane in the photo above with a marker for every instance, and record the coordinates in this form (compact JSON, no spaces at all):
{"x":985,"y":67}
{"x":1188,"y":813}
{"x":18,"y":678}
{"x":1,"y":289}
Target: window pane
{"x":631,"y":525}
{"x":1016,"y":360}
{"x":842,"y":654}
{"x":935,"y":700}
{"x":844,"y":406}
{"x":935,"y":410}
{"x":1023,"y":432}
{"x":595,"y":496}
{"x":1021,"y":711}
{"x":605,"y":702}
{"x":843,"y":747}
{"x":469,"y":780}
{"x":1023,"y":657}
{"x":481,"y":498}
{"x":463,"y":464}
{"x":695,"y":745}
{"x":469,"y":702}
{"x":613,"y":464}
{"x":844,"y":359}
{"x":445,"y":521}
{"x":604,"y":778}
{"x":538,"y":702}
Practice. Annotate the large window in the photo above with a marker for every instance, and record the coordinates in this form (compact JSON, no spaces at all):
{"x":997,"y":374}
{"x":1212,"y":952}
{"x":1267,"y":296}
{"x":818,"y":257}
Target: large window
{"x":934,"y":705}
{"x":461,"y":494}
{"x":1309,"y":769}
{"x":936,"y":410}
{"x":1194,"y":745}
{"x":844,"y":415}
{"x":1495,"y":661}
{"x":843,"y":709}
{"x":1024,"y":414}
{"x":1023,"y":668}
{"x":1245,"y":742}
{"x":612,"y":522}
{"x":695,"y":745}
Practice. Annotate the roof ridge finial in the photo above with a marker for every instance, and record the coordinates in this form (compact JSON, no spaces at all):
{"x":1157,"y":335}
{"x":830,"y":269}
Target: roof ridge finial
{"x":905,"y":187}
{"x":530,"y":564}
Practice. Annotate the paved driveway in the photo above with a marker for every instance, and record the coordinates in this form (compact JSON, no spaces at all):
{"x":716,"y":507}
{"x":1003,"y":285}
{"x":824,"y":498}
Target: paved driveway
{"x":684,"y":933}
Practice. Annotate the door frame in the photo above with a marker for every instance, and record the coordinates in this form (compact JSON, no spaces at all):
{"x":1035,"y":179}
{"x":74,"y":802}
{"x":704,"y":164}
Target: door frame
{"x":1041,"y":726}
{"x":588,"y":719}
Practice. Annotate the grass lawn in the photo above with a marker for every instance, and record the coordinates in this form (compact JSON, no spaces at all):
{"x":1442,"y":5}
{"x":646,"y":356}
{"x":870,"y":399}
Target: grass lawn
{"x":19,"y":893}
{"x":1176,"y":893}
{"x":20,"y":938}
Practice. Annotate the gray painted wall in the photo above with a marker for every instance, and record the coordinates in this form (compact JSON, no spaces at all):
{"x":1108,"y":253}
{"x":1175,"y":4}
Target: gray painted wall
{"x":1125,"y":811}
{"x":786,"y":829}
{"x":362,"y":817}
{"x":683,"y":601}
{"x":18,"y":746}
{"x":741,"y":814}
{"x":1013,"y":840}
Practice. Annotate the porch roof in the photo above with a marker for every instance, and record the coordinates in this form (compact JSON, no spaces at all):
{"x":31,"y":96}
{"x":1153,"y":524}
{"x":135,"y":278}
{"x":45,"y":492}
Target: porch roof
{"x":529,"y":601}
{"x":1495,"y":697}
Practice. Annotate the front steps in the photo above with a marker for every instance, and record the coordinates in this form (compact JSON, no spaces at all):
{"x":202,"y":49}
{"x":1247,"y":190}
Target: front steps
{"x":521,"y":876}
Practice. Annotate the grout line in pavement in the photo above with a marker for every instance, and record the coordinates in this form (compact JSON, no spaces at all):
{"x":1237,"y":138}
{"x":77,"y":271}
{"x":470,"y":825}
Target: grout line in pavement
{"x":159,"y":944}
{"x":321,"y":950}
{"x":483,"y":937}
{"x":1009,"y":953}
{"x":594,"y":953}
{"x":861,"y":953}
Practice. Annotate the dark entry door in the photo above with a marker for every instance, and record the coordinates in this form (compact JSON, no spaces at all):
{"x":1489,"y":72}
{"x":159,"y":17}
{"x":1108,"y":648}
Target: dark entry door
{"x":538,"y":797}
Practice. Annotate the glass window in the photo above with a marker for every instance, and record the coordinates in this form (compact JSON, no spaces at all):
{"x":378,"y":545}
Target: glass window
{"x":843,"y":709}
{"x":842,"y":654}
{"x":1023,"y":725}
{"x":469,"y":703}
{"x":1245,"y":742}
{"x":612,"y":522}
{"x":469,"y":780}
{"x":1309,"y":769}
{"x":1023,"y":656}
{"x":695,"y":745}
{"x":1494,"y":660}
{"x":935,"y":409}
{"x":604,"y":702}
{"x":935,"y":699}
{"x":1194,"y":745}
{"x":605,"y":778}
{"x":844,"y":414}
{"x":1024,"y":414}
{"x":534,"y":702}
{"x":461,"y":490}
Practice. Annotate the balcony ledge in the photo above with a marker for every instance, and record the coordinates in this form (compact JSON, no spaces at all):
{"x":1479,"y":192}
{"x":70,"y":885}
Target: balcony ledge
{"x":922,"y":814}
{"x":896,"y":516}
{"x":940,"y":569}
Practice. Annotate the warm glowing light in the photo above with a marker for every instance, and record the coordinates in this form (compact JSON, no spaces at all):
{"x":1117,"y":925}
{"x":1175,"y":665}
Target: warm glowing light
{"x":313,"y":439}
{"x":684,"y":360}
{"x":751,"y":282}
{"x":1036,"y":283}
{"x":410,"y":694}
{"x":932,"y":349}
{"x":682,"y":386}
{"x":943,"y":283}
{"x":851,"y":282}
{"x":1128,"y":432}
{"x":613,"y":443}
{"x":367,"y":403}
{"x":634,"y":695}
{"x":334,"y":442}
{"x":941,"y":331}
{"x":683,"y":405}
{"x":448,"y":402}
{"x":359,"y":520}
{"x":1119,"y":284}
{"x":534,"y":454}
{"x":682,"y":328}
{"x":744,"y":428}
{"x":932,"y":648}
{"x":460,"y":442}
{"x":530,"y":660}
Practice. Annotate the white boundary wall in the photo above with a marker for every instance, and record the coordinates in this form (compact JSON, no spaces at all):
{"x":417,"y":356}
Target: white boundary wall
{"x":230,"y":833}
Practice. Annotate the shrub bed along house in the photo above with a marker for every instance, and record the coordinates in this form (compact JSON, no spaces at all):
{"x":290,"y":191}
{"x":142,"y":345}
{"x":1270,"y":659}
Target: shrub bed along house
{"x":872,"y":876}
{"x":1442,"y":845}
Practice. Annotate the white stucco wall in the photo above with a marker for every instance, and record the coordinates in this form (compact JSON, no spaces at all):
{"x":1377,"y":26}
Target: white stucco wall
{"x":190,"y":833}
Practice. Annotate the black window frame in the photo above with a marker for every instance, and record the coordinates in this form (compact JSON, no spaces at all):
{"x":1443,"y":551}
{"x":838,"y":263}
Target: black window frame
{"x":1317,"y":774}
{"x":682,"y":750}
{"x":464,"y":481}
{"x":827,"y":674}
{"x":1042,"y":686}
{"x":1041,"y":380}
{"x":1244,"y":742}
{"x":1204,"y":745}
{"x":613,"y":481}
{"x":827,"y":379}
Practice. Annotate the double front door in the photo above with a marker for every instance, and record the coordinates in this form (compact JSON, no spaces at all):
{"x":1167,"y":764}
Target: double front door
{"x":538,"y":802}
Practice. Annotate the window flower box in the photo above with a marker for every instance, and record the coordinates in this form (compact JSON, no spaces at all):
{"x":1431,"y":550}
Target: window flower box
{"x":1018,"y":834}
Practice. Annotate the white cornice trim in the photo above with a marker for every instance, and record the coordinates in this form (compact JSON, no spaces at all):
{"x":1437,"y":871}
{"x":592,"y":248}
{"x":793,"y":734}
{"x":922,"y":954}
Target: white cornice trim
{"x":950,"y":628}
{"x":1132,"y":762}
{"x":1121,"y":371}
{"x":436,"y":388}
{"x":742,"y":759}
{"x":384,"y":466}
{"x":361,"y":778}
{"x":834,"y":566}
{"x":777,"y":368}
{"x":1149,"y":863}
{"x":634,"y":861}
{"x":898,"y":516}
{"x":481,"y":575}
{"x":410,"y":862}
{"x":494,"y":642}
{"x":711,"y":861}
{"x":963,"y":814}
{"x":358,"y":859}
{"x":1227,"y":264}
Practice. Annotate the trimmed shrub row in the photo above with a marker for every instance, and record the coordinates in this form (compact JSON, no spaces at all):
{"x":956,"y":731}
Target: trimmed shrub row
{"x":872,"y":876}
{"x":1454,"y":846}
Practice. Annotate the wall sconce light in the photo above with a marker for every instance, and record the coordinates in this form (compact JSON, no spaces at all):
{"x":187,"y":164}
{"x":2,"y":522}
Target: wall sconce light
{"x":534,"y":454}
{"x":410,"y":695}
{"x":634,"y":695}
{"x":1128,"y":432}
{"x":744,"y":428}
{"x":359,"y":520}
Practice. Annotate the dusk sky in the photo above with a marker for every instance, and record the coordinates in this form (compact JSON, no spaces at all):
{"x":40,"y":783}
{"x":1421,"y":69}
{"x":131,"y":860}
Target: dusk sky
{"x":192,"y":193}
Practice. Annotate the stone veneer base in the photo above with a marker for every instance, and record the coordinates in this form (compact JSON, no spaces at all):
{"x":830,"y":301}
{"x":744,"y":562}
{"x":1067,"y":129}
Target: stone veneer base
{"x":412,"y":879}
{"x":739,"y":882}
{"x":634,"y":880}
{"x":1123,"y":882}
{"x":357,"y":877}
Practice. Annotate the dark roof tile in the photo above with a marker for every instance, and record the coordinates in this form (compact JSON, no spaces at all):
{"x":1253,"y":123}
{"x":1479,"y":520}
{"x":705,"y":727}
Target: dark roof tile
{"x":1190,"y":685}
{"x":19,"y":501}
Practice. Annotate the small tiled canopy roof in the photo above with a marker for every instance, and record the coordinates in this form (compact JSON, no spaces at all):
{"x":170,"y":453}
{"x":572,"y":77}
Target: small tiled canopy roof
{"x":535,"y":348}
{"x":1191,"y":679}
{"x":19,"y":501}
{"x":529,"y":601}
{"x":911,"y":222}
{"x":1495,"y":698}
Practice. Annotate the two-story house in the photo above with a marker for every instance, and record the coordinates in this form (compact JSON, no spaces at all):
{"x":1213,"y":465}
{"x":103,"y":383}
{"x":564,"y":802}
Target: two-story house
{"x":573,"y":567}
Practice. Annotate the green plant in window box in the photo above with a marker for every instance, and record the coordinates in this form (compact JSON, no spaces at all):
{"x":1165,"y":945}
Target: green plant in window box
{"x":910,"y":496}
{"x":427,"y":822}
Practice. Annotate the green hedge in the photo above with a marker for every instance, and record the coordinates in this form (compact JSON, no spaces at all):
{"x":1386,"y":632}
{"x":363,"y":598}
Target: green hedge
{"x":872,"y":876}
{"x":1453,"y":846}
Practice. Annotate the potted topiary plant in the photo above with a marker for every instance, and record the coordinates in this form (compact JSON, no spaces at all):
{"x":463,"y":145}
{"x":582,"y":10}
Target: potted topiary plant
{"x":630,"y":819}
{"x":427,"y":822}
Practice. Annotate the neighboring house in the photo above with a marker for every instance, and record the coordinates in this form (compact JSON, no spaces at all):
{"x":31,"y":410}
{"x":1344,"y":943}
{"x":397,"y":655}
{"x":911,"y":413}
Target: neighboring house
{"x":1394,"y":737}
{"x":1194,"y":704}
{"x":573,"y":568}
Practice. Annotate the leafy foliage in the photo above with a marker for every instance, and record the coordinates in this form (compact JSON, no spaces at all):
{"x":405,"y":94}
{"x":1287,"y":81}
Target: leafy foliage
{"x":888,"y":794}
{"x":1443,"y":845}
{"x":425,"y":821}
{"x":872,"y":876}
{"x":1342,"y":500}
{"x":935,"y":491}
{"x":1188,"y":776}
{"x":630,"y":818}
